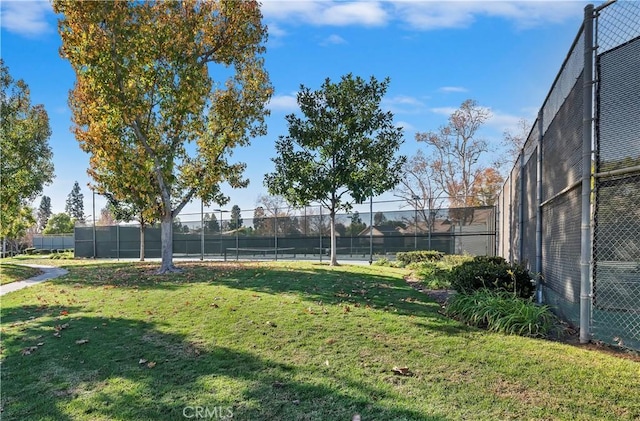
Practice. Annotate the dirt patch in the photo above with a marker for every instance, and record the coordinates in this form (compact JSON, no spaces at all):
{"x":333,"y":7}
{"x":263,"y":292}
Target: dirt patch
{"x":438,"y":295}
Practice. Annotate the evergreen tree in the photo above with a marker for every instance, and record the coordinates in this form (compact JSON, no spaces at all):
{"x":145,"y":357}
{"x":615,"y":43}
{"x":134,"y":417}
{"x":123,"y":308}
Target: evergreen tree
{"x":75,"y":203}
{"x":236,"y":218}
{"x":44,"y":212}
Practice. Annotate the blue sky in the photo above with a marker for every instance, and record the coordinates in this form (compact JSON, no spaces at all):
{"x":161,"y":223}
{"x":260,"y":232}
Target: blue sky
{"x":503,"y":54}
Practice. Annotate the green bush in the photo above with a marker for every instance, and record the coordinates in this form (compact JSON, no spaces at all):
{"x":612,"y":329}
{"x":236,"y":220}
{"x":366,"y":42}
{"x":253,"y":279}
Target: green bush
{"x":382,"y":262}
{"x":492,"y":273}
{"x":408,"y":257}
{"x":66,"y":255}
{"x":432,"y":275}
{"x":500,"y":311}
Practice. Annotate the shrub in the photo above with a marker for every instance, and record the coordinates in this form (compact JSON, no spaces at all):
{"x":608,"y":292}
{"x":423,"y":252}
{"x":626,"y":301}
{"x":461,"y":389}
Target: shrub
{"x":30,"y":250}
{"x":500,"y":311}
{"x":381,"y":262}
{"x":432,"y":275}
{"x":66,"y":255}
{"x":494,"y":274}
{"x":408,"y":257}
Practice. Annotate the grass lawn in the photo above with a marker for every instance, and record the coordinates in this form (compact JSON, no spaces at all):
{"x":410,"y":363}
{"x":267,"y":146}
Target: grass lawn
{"x":12,"y":273}
{"x":281,"y":341}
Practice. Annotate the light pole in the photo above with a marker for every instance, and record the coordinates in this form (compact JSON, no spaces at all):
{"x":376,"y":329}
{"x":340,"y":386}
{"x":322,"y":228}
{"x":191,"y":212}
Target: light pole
{"x":94,"y":221}
{"x":220,"y":224}
{"x":201,"y":229}
{"x":415,"y":221}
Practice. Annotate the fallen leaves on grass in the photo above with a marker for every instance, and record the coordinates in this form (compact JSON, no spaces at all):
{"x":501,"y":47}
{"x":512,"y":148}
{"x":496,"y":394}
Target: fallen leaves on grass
{"x":29,"y":350}
{"x":402,"y":371}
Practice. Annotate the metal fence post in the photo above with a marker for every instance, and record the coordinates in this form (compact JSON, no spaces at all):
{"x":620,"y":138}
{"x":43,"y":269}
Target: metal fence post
{"x":585,"y":224}
{"x":371,"y":230}
{"x":539,"y":209}
{"x":320,"y":231}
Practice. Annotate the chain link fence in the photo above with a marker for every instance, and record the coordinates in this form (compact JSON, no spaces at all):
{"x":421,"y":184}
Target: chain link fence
{"x":541,"y":209}
{"x":616,"y":247}
{"x":302,"y":234}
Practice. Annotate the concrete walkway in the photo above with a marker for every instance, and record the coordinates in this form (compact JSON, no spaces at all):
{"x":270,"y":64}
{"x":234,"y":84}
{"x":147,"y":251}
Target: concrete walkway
{"x":49,"y":272}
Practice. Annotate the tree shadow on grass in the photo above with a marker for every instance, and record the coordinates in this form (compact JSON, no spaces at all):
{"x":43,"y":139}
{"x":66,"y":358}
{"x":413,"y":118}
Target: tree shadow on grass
{"x":317,"y":283}
{"x":117,"y":368}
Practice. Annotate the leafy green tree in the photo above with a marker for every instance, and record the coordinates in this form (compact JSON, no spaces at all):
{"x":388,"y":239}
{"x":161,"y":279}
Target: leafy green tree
{"x":75,"y":203}
{"x":44,"y":212}
{"x":341,"y":152}
{"x":145,"y":89}
{"x":379,"y":218}
{"x":356,"y":225}
{"x":60,"y":223}
{"x":211,"y":223}
{"x":236,"y":218}
{"x":259,"y":221}
{"x":26,"y":165}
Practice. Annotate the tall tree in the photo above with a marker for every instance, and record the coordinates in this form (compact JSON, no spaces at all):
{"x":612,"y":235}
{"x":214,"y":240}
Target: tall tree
{"x":341,"y":152}
{"x":236,"y":218}
{"x":75,"y":203}
{"x":514,"y":139}
{"x":144,"y":88}
{"x":60,"y":223}
{"x":211,"y":223}
{"x":26,"y":165}
{"x":259,"y":221}
{"x":456,"y":150}
{"x":419,"y":189}
{"x":44,"y":212}
{"x":487,"y":186}
{"x":356,"y":225}
{"x":379,"y":218}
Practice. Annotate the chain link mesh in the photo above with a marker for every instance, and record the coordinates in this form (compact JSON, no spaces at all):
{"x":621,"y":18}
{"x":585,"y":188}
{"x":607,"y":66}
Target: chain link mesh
{"x":615,"y":313}
{"x":616,"y":248}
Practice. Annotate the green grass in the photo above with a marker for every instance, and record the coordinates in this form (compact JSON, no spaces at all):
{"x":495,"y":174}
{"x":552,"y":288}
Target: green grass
{"x":281,"y":341}
{"x":12,"y":273}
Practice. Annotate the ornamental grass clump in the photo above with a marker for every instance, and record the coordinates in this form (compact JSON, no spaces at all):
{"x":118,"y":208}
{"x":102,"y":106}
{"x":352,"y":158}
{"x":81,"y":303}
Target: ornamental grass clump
{"x":503,"y":312}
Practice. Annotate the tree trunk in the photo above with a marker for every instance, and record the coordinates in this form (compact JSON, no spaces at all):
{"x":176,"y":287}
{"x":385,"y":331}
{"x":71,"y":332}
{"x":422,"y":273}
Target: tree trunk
{"x":166,"y":239}
{"x":142,"y":228}
{"x":334,"y":260}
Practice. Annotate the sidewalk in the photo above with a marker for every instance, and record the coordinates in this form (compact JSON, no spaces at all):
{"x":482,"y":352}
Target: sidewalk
{"x":49,"y":272}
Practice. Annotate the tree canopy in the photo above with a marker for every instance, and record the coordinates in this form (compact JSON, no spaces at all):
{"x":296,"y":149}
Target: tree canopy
{"x":342,"y":151}
{"x":60,"y":223}
{"x":75,"y":203}
{"x":26,"y":165}
{"x":146,"y":93}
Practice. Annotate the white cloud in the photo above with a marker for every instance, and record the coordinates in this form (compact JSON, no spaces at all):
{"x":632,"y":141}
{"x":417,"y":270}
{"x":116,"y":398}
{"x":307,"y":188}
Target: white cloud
{"x":402,"y":104}
{"x":443,"y":110}
{"x":421,"y":15}
{"x":408,"y":127}
{"x":25,"y":17}
{"x":285,"y":103}
{"x":275,"y":30}
{"x":333,"y":40}
{"x":327,"y":13}
{"x":426,"y":15}
{"x":506,"y":122}
{"x":453,"y":89}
